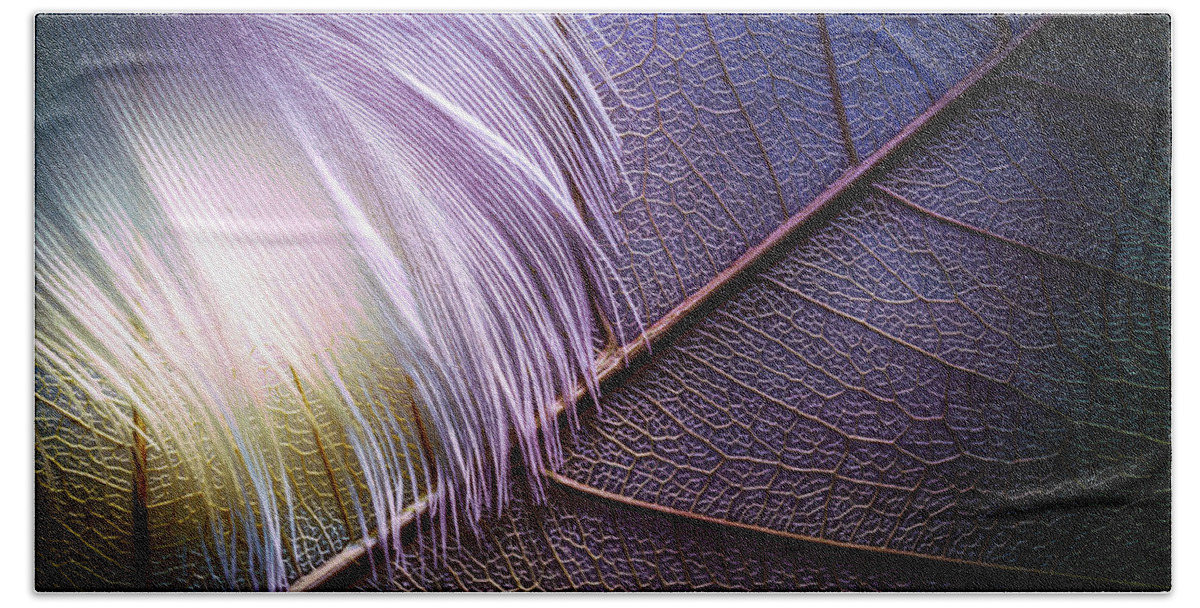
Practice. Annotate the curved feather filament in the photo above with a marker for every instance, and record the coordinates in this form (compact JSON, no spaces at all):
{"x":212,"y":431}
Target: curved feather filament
{"x":323,"y":254}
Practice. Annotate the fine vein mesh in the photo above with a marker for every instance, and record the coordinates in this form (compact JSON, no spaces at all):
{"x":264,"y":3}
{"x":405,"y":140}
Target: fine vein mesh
{"x":230,"y":208}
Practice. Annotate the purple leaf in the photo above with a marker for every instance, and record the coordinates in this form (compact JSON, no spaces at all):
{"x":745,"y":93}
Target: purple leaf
{"x":907,"y":280}
{"x":967,"y":361}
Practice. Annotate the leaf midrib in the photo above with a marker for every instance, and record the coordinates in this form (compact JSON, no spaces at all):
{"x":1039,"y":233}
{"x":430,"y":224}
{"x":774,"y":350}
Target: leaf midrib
{"x":613,"y":366}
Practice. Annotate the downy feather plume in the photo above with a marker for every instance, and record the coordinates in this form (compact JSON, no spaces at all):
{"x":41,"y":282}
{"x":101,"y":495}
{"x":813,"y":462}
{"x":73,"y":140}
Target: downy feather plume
{"x":381,"y":227}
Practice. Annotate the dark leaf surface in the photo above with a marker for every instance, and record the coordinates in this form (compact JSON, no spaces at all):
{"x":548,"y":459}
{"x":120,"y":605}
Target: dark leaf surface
{"x":969,"y":361}
{"x":955,"y":375}
{"x":730,"y":124}
{"x":580,"y":542}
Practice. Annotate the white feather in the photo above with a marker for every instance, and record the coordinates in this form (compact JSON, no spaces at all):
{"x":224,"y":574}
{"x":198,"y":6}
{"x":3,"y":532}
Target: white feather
{"x":238,"y":210}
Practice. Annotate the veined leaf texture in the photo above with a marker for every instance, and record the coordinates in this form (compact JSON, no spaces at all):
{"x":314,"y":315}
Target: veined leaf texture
{"x":905,"y":288}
